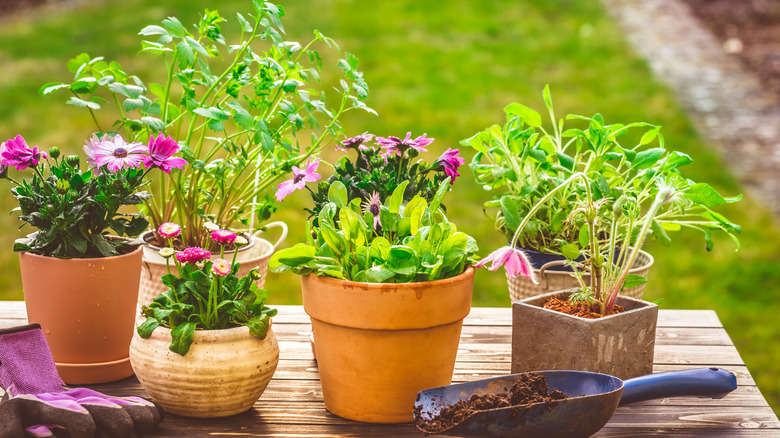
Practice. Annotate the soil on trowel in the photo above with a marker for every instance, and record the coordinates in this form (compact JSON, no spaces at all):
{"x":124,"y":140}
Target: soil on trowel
{"x":528,"y":389}
{"x":579,"y":308}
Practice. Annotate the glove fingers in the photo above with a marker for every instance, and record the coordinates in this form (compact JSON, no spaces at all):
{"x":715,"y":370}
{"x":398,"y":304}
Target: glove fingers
{"x":66,"y":414}
{"x":39,"y":431}
{"x":10,"y":421}
{"x":109,"y":417}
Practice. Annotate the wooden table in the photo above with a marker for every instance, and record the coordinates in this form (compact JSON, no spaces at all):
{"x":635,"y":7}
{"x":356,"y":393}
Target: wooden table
{"x":292,"y":405}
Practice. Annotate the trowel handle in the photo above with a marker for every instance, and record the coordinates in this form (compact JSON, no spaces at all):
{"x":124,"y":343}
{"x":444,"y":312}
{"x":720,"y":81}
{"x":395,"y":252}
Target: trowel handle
{"x":710,"y":382}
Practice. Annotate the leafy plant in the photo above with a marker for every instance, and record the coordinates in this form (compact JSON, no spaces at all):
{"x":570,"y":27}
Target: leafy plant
{"x":609,"y":199}
{"x":400,"y":244}
{"x":236,"y":108}
{"x":211,"y":297}
{"x":73,"y":210}
{"x":379,"y":172}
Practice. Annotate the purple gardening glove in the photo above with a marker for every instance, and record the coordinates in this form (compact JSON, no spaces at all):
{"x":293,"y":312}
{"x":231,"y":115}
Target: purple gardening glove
{"x":36,"y":396}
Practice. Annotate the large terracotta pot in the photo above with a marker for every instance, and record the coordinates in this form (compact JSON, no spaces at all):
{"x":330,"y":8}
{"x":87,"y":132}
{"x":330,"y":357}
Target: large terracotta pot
{"x":255,"y":255}
{"x":86,"y":308}
{"x":379,"y":344}
{"x":621,"y":345}
{"x":223,"y":373}
{"x":554,"y":276}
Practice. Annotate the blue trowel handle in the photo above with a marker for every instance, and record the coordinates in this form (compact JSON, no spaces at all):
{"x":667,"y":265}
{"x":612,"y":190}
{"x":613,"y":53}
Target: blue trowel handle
{"x":710,"y":382}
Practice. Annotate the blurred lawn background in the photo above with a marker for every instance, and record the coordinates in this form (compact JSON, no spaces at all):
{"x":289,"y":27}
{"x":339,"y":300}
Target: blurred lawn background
{"x":446,"y":70}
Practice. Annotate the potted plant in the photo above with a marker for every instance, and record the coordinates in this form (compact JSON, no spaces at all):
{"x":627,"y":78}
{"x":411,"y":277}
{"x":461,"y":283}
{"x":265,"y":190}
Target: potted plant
{"x":387,"y":285}
{"x":236,"y":109}
{"x":592,"y":327}
{"x":206,"y":348}
{"x":80,"y":283}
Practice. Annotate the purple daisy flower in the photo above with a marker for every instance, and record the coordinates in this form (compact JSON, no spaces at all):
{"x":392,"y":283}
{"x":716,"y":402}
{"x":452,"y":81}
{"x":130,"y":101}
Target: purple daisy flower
{"x":299,"y":180}
{"x":395,"y":145}
{"x":223,"y":236}
{"x":355,"y":142}
{"x":15,"y":152}
{"x":450,"y":161}
{"x":373,"y":206}
{"x":90,"y":146}
{"x":161,"y":151}
{"x":192,"y":254}
{"x":116,"y":154}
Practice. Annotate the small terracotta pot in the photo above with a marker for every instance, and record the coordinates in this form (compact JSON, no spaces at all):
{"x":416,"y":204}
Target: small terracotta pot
{"x":379,"y":344}
{"x":255,"y":255}
{"x":86,"y":308}
{"x":223,"y":373}
{"x":621,"y":345}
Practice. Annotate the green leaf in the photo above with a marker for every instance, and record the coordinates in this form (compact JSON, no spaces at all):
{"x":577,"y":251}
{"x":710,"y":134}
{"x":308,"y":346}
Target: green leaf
{"x":444,"y":187}
{"x":337,"y":194}
{"x":566,"y":161}
{"x":378,"y":275}
{"x":81,"y":103}
{"x":676,"y":159}
{"x":175,"y":27}
{"x":660,"y":233}
{"x":708,"y":243}
{"x":704,"y":194}
{"x":584,"y":236}
{"x":258,"y":325}
{"x":332,"y":238}
{"x":547,"y":97}
{"x":570,"y":251}
{"x":295,"y":256}
{"x":397,"y":198}
{"x":649,"y":136}
{"x":647,"y":158}
{"x":147,"y":327}
{"x":527,"y":115}
{"x":156,"y":124}
{"x":633,"y":280}
{"x":510,"y":210}
{"x":51,"y":87}
{"x":182,"y":338}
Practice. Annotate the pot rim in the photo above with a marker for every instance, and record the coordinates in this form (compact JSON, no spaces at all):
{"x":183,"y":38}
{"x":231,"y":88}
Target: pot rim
{"x":138,"y":248}
{"x":468,"y":272}
{"x":205,"y":335}
{"x":644,"y":305}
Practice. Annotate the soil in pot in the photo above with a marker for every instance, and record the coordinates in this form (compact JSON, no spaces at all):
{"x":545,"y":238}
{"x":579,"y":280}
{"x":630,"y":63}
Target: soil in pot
{"x":529,"y":388}
{"x":579,"y":308}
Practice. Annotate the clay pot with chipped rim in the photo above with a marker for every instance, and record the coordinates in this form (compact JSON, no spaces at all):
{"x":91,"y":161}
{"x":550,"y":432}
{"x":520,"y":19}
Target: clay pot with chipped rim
{"x":379,"y":344}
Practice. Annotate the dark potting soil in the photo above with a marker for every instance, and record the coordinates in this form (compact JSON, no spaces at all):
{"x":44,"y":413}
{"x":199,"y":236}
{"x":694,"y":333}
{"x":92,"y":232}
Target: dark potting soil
{"x":528,"y":389}
{"x":579,"y":308}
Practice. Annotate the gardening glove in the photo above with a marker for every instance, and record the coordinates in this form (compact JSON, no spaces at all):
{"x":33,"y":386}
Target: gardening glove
{"x":27,"y":368}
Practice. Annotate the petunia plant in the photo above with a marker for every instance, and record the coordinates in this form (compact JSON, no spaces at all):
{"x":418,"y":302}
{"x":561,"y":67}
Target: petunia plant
{"x":75,"y":210}
{"x":244,"y":112}
{"x":379,"y":168}
{"x":207,"y":297}
{"x":375,"y":242}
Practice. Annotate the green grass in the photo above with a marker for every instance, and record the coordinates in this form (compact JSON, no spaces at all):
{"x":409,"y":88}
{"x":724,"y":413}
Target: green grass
{"x":447,"y":71}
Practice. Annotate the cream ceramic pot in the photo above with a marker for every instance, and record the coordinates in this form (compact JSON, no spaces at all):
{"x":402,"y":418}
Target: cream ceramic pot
{"x":223,"y":373}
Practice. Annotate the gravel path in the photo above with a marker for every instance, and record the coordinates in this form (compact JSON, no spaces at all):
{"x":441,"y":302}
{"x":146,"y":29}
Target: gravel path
{"x":726,"y":102}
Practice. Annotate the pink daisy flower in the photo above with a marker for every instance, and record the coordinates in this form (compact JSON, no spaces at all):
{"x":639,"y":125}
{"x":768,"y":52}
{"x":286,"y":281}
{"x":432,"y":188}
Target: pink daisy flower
{"x":450,"y":161}
{"x":15,"y":152}
{"x":192,"y":254}
{"x":394,"y":145}
{"x":221,"y":267}
{"x":169,"y":229}
{"x":299,"y":180}
{"x":161,"y":151}
{"x":355,"y":142}
{"x":512,"y":259}
{"x":116,"y":154}
{"x":223,"y":236}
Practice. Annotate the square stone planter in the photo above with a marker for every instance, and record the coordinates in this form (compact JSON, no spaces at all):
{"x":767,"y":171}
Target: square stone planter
{"x":621,"y":345}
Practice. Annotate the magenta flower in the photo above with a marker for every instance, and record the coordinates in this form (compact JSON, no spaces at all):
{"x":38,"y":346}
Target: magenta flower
{"x":15,"y":152}
{"x":221,"y":267}
{"x":169,"y":229}
{"x":192,"y":254}
{"x":373,"y":205}
{"x":116,"y":154}
{"x":161,"y":150}
{"x":450,"y":161}
{"x":355,"y":142}
{"x":395,"y":145}
{"x":223,"y":236}
{"x":299,"y":180}
{"x":512,"y":259}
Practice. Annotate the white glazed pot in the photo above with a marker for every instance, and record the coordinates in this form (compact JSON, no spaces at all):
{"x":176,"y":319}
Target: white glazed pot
{"x":223,"y":373}
{"x":255,"y":255}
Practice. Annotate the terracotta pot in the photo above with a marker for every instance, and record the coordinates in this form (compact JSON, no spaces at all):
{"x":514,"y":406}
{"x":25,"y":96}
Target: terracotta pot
{"x":255,"y":255}
{"x":223,"y":373}
{"x":621,"y":345}
{"x":86,"y":308}
{"x":551,"y":278}
{"x":379,"y":344}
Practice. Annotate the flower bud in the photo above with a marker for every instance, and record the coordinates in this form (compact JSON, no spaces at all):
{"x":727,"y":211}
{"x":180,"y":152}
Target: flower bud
{"x":255,"y":274}
{"x":73,"y":160}
{"x":54,"y":152}
{"x":63,"y":186}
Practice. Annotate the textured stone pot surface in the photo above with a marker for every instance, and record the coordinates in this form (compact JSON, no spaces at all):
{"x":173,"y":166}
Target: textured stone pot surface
{"x":86,"y":309}
{"x":224,"y":373}
{"x":380,"y":344}
{"x":552,"y":279}
{"x":621,"y":345}
{"x":255,"y":255}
